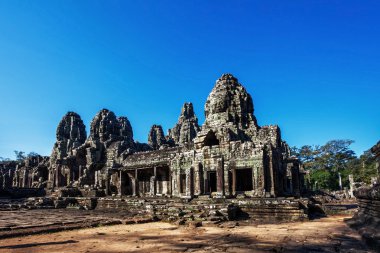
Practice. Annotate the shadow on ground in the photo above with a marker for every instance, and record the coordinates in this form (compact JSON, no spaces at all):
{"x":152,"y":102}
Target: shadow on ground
{"x":28,"y":245}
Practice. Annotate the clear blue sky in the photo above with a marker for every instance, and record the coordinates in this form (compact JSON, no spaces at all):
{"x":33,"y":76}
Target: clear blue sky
{"x":312,"y":67}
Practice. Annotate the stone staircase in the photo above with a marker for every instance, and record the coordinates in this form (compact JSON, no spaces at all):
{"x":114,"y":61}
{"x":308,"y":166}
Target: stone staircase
{"x":195,"y":211}
{"x":172,"y":209}
{"x":204,"y":209}
{"x":210,"y":209}
{"x":271,"y":209}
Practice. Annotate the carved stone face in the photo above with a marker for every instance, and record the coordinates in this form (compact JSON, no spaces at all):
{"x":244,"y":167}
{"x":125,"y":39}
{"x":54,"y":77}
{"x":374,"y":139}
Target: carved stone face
{"x":230,"y":102}
{"x":71,"y":127}
{"x":105,"y":126}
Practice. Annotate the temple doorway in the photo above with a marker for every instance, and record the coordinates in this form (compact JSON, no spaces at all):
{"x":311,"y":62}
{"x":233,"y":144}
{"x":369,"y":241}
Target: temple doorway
{"x":144,"y":176}
{"x":244,"y":180}
{"x":212,"y":181}
{"x":126,"y":184}
{"x":162,"y":178}
{"x":182,"y":178}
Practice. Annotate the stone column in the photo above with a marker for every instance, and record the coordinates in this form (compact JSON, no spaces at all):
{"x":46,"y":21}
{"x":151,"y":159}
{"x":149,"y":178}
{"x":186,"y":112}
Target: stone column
{"x":351,"y":180}
{"x":17,"y":180}
{"x":205,"y":178}
{"x":233,"y":181}
{"x":101,"y":177}
{"x":152,"y":186}
{"x":178,"y":185}
{"x":226,"y":184}
{"x":219,"y":178}
{"x":260,"y":181}
{"x":201,"y":179}
{"x":289,"y":179}
{"x":57,"y":172}
{"x":136,"y":185}
{"x":153,"y":183}
{"x":68,"y":175}
{"x":170,"y":189}
{"x":174,"y":183}
{"x":133,"y":184}
{"x":97,"y":177}
{"x":14,"y":180}
{"x":163,"y":189}
{"x":72,"y":175}
{"x":155,"y":180}
{"x":80,"y":171}
{"x":254,"y":176}
{"x":120,"y":183}
{"x":189,"y":182}
{"x":197,"y":185}
{"x":107,"y":186}
{"x":24,"y":179}
{"x":271,"y":173}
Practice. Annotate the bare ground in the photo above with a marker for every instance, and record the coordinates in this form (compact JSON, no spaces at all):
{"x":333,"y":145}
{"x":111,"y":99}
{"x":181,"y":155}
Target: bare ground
{"x":324,"y":235}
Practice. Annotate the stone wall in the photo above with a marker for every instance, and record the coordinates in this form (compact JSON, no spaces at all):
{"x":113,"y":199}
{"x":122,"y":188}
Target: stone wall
{"x":32,"y":172}
{"x":7,"y":169}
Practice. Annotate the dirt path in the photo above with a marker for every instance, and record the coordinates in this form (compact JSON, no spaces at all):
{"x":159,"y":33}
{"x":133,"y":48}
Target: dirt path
{"x":324,"y":235}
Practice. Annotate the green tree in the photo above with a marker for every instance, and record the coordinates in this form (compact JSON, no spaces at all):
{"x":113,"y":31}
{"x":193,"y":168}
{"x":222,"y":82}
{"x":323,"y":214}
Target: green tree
{"x":307,"y":155}
{"x":324,"y":179}
{"x":2,"y":159}
{"x":335,"y":155}
{"x":20,"y":155}
{"x":364,"y":168}
{"x":31,"y":154}
{"x":325,"y":162}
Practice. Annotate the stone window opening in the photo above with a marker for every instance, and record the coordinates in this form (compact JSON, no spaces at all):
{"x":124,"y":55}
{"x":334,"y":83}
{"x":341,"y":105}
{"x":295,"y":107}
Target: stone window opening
{"x":211,"y":139}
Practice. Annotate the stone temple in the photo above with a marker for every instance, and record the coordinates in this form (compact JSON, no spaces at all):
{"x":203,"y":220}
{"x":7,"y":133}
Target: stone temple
{"x":228,"y":156}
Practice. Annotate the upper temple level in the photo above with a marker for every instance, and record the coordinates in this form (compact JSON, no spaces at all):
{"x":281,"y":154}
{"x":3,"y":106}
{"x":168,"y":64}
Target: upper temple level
{"x":229,"y":103}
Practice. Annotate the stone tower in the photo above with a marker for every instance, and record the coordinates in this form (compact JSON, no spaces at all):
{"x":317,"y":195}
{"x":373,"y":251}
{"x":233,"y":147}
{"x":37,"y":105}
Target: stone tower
{"x":187,"y":126}
{"x":229,"y":114}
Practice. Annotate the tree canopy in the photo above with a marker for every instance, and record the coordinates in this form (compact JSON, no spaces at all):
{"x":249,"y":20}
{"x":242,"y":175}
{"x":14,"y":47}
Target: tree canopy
{"x":20,"y":155}
{"x":324,"y":163}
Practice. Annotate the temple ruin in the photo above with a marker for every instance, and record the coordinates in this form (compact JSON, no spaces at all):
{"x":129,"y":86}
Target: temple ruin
{"x":229,"y":154}
{"x":214,"y":171}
